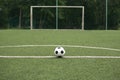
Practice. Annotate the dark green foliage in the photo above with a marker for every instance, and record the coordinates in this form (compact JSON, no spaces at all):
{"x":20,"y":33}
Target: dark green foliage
{"x":16,"y":14}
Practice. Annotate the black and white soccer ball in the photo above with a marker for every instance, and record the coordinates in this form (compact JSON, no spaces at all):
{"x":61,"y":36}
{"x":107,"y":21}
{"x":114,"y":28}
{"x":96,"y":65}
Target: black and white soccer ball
{"x":59,"y":51}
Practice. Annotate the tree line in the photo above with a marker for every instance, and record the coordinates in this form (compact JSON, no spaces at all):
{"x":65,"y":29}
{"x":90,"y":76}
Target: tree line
{"x":16,"y":14}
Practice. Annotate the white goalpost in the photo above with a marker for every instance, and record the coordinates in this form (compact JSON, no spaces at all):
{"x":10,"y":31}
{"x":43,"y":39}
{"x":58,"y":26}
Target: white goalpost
{"x":32,"y":7}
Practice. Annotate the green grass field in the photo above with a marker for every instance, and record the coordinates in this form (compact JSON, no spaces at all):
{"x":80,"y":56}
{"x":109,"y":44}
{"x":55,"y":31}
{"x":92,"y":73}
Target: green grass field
{"x":59,"y":69}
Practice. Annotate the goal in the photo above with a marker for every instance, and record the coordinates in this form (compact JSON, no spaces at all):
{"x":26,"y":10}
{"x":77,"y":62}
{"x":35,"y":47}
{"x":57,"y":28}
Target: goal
{"x":70,"y":7}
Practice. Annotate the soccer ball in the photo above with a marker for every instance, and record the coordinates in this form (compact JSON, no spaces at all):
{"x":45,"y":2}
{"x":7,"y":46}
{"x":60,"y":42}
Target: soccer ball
{"x":59,"y":51}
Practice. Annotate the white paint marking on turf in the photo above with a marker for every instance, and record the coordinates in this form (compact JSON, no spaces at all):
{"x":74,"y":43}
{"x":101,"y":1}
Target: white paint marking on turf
{"x":94,"y":57}
{"x":72,"y":46}
{"x":90,"y":47}
{"x":74,"y":57}
{"x":27,"y":57}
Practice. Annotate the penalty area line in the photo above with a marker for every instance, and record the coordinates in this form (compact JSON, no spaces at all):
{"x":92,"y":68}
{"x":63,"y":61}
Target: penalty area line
{"x":70,"y":46}
{"x":73,"y":57}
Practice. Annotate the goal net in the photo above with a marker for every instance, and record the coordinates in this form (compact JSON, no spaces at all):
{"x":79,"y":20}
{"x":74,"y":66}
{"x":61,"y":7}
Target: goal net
{"x":58,"y":19}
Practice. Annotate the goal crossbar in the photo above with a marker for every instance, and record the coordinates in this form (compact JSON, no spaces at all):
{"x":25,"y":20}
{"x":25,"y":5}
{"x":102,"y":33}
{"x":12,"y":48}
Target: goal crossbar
{"x":31,"y":13}
{"x":57,"y":6}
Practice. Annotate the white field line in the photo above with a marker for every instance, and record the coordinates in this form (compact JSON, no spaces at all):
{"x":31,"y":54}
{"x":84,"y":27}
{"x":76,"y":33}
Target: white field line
{"x":27,"y":57}
{"x":73,"y":57}
{"x":72,"y":46}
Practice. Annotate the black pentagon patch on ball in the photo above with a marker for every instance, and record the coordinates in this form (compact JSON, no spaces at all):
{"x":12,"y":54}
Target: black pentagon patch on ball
{"x":56,"y":52}
{"x":62,"y":52}
{"x":59,"y":47}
